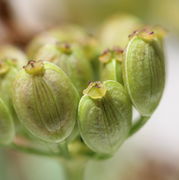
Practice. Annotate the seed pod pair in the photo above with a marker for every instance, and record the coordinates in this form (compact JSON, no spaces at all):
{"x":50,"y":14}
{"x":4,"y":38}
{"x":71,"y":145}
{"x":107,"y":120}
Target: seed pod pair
{"x":111,"y":65}
{"x":104,"y":116}
{"x":144,"y":70}
{"x":7,"y":130}
{"x":45,"y":101}
{"x":71,"y":59}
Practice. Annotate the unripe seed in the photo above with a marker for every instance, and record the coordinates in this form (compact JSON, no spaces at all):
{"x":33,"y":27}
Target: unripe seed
{"x":144,"y":71}
{"x":45,"y":101}
{"x":69,"y":34}
{"x":13,"y":56}
{"x":116,"y":29}
{"x":71,"y":59}
{"x":111,"y":65}
{"x":7,"y":75}
{"x":104,"y":116}
{"x":7,"y":130}
{"x":66,"y":33}
{"x":11,"y":59}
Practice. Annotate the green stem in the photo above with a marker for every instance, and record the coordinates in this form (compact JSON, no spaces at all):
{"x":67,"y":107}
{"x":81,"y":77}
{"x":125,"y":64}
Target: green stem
{"x":138,"y":124}
{"x":64,"y":150}
{"x":32,"y":150}
{"x":75,"y":168}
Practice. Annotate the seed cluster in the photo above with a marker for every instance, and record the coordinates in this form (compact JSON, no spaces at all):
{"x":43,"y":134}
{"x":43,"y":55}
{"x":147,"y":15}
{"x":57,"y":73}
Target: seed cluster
{"x":64,"y":91}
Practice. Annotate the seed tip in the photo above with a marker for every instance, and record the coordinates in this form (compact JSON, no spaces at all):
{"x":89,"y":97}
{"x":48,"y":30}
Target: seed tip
{"x":35,"y":68}
{"x":95,"y":90}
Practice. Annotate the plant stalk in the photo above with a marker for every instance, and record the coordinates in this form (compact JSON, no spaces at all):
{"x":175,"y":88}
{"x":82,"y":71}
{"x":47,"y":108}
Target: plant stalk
{"x":75,"y":168}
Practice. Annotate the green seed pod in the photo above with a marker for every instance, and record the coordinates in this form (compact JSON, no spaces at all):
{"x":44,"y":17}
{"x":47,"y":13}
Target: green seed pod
{"x":45,"y":101}
{"x":116,"y":29}
{"x":104,"y":116}
{"x":144,"y":70}
{"x":71,"y":59}
{"x":11,"y":59}
{"x":73,"y":135}
{"x":111,"y":61}
{"x":13,"y":56}
{"x":90,"y":47}
{"x":66,"y":33}
{"x":7,"y":130}
{"x":7,"y":75}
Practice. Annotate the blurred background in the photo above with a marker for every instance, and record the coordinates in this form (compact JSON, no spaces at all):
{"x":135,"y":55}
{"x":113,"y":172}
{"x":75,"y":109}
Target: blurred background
{"x":152,"y":153}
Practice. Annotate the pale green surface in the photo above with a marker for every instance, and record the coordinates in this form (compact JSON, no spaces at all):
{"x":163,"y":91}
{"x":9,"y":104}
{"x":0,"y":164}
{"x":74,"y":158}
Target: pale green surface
{"x":144,"y":75}
{"x":47,"y":105}
{"x":75,"y":64}
{"x":7,"y":130}
{"x":116,"y":29}
{"x":111,"y":70}
{"x":105,"y":123}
